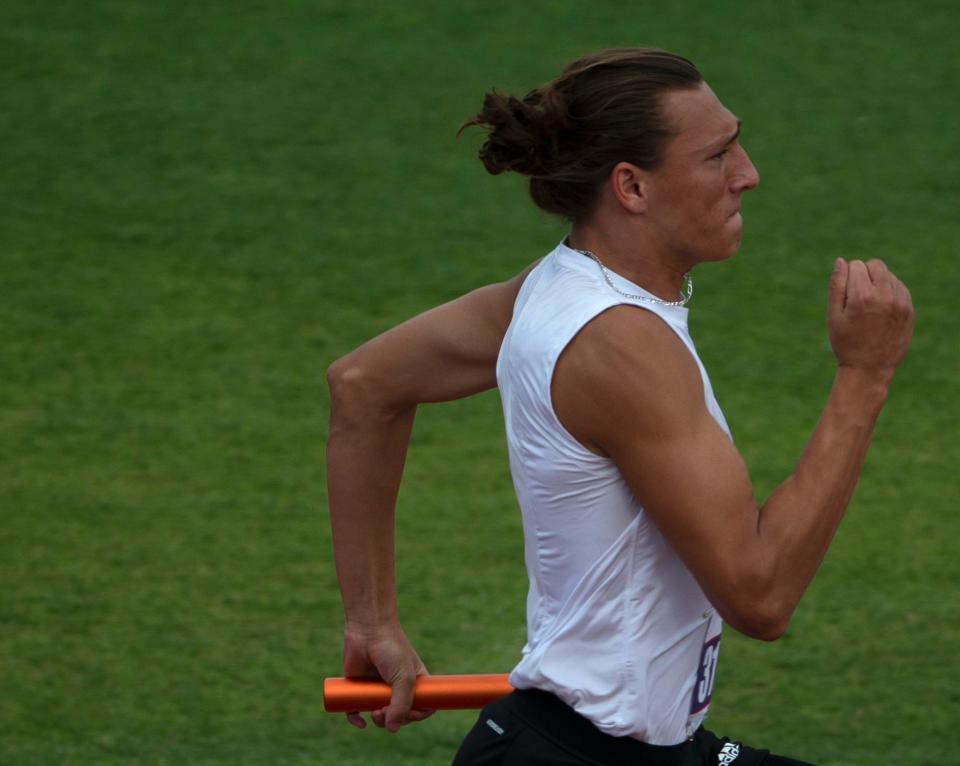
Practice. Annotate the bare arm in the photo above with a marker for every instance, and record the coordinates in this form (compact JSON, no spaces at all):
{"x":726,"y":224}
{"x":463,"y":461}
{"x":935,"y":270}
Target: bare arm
{"x":628,"y":388}
{"x":446,"y":353}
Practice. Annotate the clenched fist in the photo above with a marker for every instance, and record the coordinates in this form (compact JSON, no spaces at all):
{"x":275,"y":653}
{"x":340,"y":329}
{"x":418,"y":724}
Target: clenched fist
{"x":869,"y":317}
{"x":386,"y":653}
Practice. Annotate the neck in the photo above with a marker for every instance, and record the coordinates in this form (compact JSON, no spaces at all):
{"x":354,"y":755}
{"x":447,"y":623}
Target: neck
{"x":634,"y":258}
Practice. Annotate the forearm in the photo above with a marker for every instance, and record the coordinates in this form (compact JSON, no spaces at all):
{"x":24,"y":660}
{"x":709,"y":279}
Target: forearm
{"x":366,"y":449}
{"x":797,"y":523}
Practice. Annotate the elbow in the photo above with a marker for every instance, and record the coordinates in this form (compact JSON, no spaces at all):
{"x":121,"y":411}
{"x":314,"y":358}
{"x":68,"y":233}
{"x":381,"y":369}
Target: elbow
{"x":357,"y":391}
{"x":758,"y":621}
{"x":758,"y":612}
{"x":340,"y":374}
{"x":349,"y":381}
{"x":768,"y":626}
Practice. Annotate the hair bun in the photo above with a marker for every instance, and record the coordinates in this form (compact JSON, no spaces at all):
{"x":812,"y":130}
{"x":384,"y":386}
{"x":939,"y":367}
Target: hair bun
{"x":518,"y":139}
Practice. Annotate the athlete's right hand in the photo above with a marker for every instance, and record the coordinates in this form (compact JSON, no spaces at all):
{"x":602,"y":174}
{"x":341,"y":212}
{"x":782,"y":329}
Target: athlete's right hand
{"x":869,"y":317}
{"x":384,"y":652}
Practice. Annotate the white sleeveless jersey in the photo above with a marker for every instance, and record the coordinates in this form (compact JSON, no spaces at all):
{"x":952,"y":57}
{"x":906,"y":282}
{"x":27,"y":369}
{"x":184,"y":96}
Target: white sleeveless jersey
{"x":617,"y":627}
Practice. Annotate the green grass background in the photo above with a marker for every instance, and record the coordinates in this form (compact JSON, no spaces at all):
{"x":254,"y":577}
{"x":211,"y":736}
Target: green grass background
{"x":203,"y":204}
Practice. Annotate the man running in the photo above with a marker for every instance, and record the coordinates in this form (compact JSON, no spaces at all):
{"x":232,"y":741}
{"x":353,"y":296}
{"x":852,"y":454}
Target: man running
{"x":642,"y":535}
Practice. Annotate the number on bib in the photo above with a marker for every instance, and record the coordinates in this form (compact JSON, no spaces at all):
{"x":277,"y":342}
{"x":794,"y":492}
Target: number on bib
{"x":706,"y":673}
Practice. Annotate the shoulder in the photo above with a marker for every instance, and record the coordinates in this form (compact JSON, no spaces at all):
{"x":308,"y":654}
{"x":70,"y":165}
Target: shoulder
{"x":626,"y":341}
{"x":626,"y":371}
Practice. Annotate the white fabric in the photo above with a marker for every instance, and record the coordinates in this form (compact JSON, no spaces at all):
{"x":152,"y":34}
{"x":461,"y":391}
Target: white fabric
{"x":617,"y":627}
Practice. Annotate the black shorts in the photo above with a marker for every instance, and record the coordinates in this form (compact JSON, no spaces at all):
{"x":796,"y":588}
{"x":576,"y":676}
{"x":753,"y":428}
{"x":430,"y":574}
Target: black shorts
{"x":534,"y":728}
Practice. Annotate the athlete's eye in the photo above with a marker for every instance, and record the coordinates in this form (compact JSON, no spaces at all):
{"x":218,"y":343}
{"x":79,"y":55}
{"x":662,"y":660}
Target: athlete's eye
{"x":720,"y":155}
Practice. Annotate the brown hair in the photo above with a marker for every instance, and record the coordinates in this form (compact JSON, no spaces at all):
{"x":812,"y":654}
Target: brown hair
{"x":568,"y":135}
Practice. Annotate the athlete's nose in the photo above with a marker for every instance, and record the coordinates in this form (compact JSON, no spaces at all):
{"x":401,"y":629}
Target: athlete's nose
{"x":747,"y":176}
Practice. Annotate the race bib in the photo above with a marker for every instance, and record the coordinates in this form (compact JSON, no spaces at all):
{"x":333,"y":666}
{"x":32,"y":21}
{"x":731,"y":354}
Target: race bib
{"x":706,"y":673}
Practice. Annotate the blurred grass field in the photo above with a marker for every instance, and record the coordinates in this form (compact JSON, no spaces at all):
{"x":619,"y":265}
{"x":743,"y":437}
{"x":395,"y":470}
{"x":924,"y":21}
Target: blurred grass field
{"x":202,"y":205}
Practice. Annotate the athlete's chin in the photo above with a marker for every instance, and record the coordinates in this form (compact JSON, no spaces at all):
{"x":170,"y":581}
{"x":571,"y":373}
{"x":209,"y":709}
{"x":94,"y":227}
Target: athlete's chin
{"x":733,"y":240}
{"x":723,"y":251}
{"x":719,"y":245}
{"x":734,"y":247}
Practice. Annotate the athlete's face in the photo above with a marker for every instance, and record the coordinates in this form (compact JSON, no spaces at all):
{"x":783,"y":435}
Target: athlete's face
{"x":693,"y":197}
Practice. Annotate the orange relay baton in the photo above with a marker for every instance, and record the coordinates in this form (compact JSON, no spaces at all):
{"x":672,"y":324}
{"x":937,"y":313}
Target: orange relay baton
{"x":347,"y":695}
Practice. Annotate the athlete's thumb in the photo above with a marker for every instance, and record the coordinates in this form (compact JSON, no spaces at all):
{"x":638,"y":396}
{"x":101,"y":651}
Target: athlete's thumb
{"x":837,"y":290}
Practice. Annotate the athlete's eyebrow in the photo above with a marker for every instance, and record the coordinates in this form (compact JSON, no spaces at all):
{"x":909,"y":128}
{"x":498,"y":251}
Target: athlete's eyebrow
{"x":722,"y":142}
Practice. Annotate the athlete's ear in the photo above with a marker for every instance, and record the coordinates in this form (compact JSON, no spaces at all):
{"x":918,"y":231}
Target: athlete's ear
{"x":629,"y":186}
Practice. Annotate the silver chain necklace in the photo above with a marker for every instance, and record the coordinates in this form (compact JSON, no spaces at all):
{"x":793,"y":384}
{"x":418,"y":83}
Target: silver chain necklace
{"x":686,"y":291}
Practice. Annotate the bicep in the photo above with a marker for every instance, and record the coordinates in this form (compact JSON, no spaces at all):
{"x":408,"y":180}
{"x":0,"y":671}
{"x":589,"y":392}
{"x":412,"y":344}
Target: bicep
{"x":695,"y":486}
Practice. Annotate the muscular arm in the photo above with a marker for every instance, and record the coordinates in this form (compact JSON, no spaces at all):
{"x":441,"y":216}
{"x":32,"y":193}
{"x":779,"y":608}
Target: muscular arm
{"x":446,"y":353}
{"x":628,"y":388}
